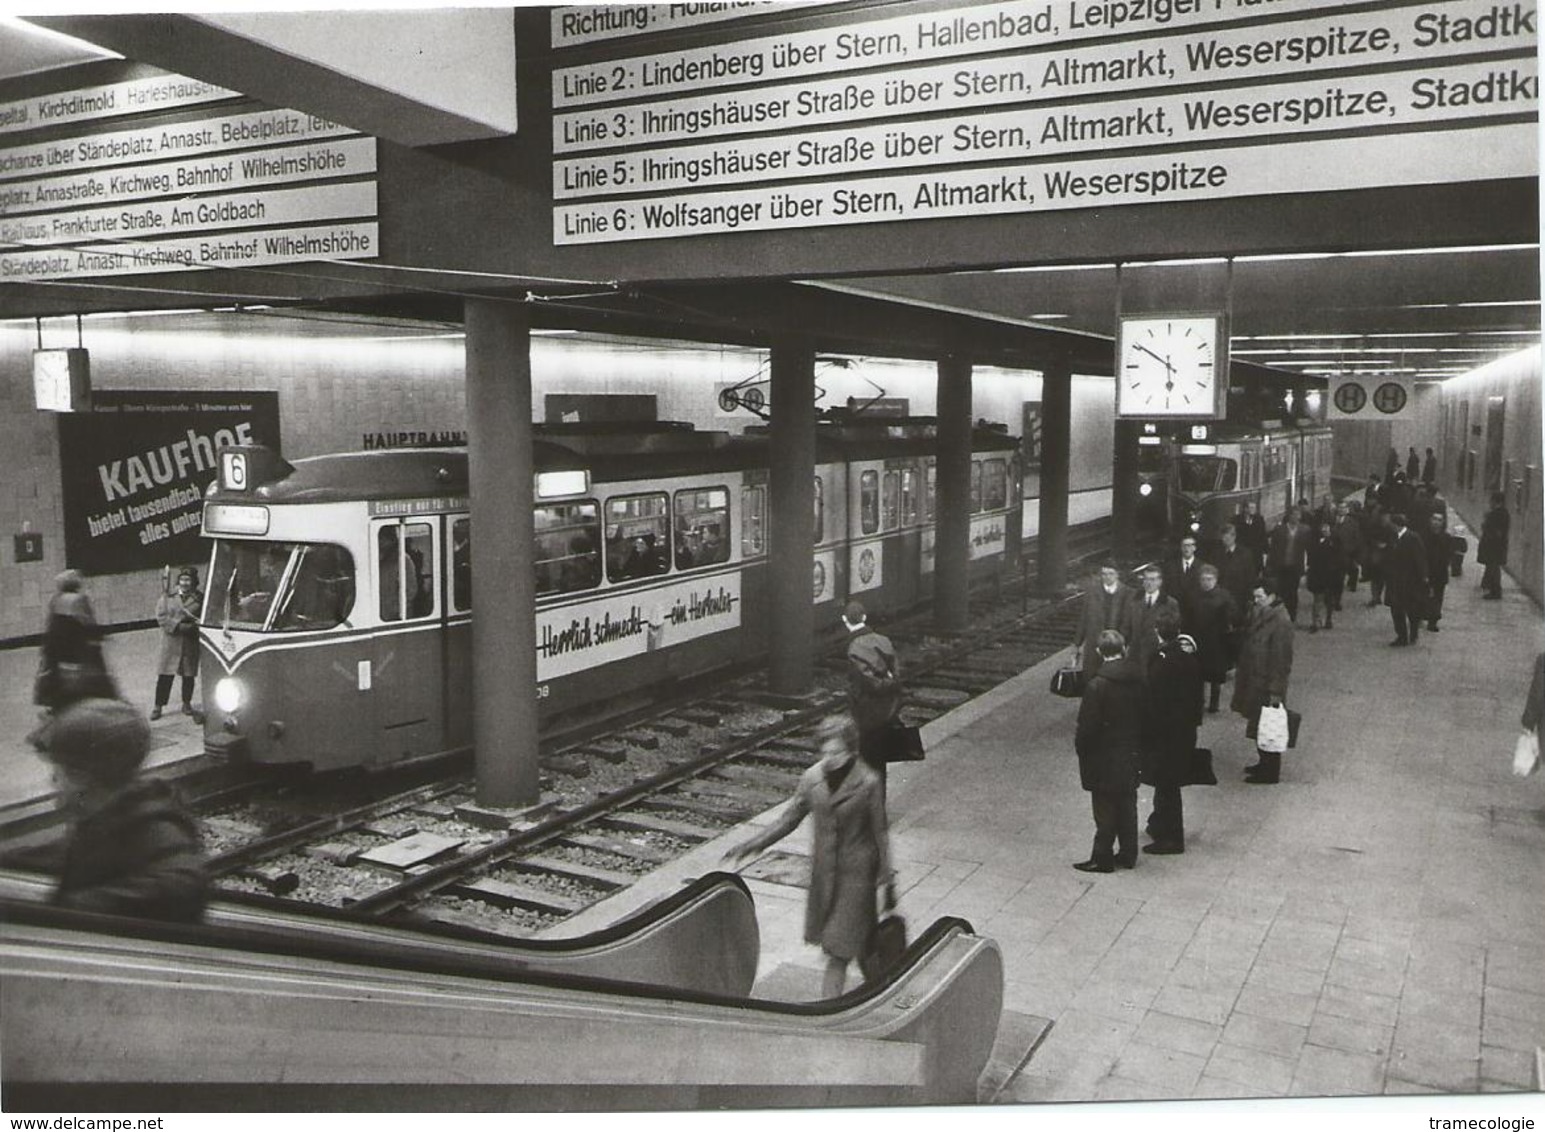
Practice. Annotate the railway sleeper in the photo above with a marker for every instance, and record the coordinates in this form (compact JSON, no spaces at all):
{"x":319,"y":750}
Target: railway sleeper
{"x":935,"y":698}
{"x":703,"y":717}
{"x":765,"y":778}
{"x":566,"y":764}
{"x":613,"y":752}
{"x":649,"y":823}
{"x":675,"y":728}
{"x":737,"y":794}
{"x":516,"y":894}
{"x":633,"y":850}
{"x":699,"y":806}
{"x":795,"y":759}
{"x":590,"y":874}
{"x":641,"y":739}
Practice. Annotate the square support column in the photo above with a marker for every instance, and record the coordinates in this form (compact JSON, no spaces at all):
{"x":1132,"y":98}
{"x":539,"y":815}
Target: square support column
{"x":1123,"y":503}
{"x":952,"y":506}
{"x":500,"y":474}
{"x":791,"y":503}
{"x":1056,"y":449}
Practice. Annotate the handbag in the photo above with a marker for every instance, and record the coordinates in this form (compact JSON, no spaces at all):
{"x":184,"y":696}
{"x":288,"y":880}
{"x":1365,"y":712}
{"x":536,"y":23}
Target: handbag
{"x":1271,"y":729}
{"x":886,"y":945}
{"x":904,"y":744}
{"x":1068,"y":683}
{"x":1199,"y":772}
{"x":1526,"y":754}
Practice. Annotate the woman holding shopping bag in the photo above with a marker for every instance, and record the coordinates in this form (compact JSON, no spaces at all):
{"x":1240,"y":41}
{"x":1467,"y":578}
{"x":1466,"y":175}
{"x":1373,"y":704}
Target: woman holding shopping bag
{"x":1265,"y":664}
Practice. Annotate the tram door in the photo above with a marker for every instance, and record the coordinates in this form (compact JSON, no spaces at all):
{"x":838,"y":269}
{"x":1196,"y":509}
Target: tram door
{"x":406,"y":672}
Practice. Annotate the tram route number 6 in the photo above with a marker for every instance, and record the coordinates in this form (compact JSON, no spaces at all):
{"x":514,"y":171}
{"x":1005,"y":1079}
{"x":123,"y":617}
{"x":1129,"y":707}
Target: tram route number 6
{"x":233,"y":470}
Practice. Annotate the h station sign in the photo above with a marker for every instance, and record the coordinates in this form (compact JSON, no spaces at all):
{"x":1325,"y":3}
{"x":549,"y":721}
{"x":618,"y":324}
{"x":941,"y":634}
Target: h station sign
{"x":1369,"y":398}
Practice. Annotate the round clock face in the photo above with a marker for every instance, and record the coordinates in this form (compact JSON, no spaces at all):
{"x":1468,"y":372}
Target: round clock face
{"x":1168,"y":367}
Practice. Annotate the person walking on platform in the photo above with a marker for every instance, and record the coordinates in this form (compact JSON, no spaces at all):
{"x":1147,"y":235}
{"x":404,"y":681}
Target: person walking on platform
{"x":70,"y":664}
{"x":177,"y":613}
{"x":1216,"y":615}
{"x":850,"y":860}
{"x":131,"y":849}
{"x":1143,"y":638}
{"x":1413,"y":465}
{"x":1174,"y":714}
{"x":1430,"y":468}
{"x":1327,"y":574}
{"x":1439,"y":548}
{"x":1492,"y":551}
{"x":1286,"y":554}
{"x":1109,"y":605}
{"x":1251,"y":526}
{"x":1349,"y":533}
{"x":1391,"y":465}
{"x":1237,"y":567}
{"x":1265,"y":666}
{"x":1375,"y":539}
{"x":1108,"y":739}
{"x":1405,"y":581}
{"x":874,"y":688}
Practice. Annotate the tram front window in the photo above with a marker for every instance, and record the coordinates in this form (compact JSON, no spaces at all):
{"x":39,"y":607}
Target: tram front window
{"x":282,"y":586}
{"x":1200,"y":474}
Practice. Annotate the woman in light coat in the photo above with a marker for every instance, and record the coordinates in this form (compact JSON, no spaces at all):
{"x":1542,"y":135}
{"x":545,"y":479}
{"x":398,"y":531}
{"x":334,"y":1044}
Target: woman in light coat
{"x":850,"y":863}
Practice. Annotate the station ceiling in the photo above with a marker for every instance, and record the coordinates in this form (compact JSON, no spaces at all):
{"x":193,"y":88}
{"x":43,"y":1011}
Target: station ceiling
{"x":1426,"y":313}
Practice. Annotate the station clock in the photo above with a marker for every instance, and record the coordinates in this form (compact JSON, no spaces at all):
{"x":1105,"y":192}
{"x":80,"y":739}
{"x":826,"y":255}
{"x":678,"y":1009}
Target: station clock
{"x":1171,"y":365}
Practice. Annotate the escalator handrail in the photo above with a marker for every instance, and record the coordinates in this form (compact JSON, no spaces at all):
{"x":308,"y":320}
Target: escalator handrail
{"x":392,"y":956}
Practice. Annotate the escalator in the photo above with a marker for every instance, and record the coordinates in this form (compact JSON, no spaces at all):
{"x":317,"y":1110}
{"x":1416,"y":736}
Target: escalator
{"x":99,"y":1012}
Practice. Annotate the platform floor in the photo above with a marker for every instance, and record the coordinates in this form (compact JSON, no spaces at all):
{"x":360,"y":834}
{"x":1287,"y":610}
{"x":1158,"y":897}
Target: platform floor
{"x":1374,"y":924}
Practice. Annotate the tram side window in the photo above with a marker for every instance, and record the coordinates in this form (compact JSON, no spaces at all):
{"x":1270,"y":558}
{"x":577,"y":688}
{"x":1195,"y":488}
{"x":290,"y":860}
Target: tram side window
{"x":753,"y":521}
{"x":820,"y":510}
{"x":976,"y":486}
{"x":406,"y":578}
{"x":909,"y":497}
{"x":930,"y":487}
{"x":995,"y":485}
{"x":567,"y":553}
{"x":461,"y":565}
{"x":638,"y":536}
{"x":890,"y":501}
{"x":702,"y":527}
{"x":1228,"y":475}
{"x":320,"y":594}
{"x":869,"y":502}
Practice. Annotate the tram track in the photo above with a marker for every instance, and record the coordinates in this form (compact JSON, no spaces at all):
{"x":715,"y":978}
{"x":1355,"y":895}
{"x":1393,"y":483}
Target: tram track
{"x":617,"y":800}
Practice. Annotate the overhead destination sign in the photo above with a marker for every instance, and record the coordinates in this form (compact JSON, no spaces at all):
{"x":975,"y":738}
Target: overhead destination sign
{"x":593,"y":23}
{"x":790,"y":111}
{"x":165,"y":193}
{"x":110,"y":100}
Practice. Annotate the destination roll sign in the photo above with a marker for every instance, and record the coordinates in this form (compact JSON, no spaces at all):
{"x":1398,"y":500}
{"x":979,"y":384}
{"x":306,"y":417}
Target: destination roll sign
{"x":1028,"y":106}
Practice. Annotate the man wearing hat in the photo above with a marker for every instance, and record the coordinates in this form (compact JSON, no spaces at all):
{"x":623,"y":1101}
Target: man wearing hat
{"x":874,"y":687}
{"x":177,"y":614}
{"x":131,"y":849}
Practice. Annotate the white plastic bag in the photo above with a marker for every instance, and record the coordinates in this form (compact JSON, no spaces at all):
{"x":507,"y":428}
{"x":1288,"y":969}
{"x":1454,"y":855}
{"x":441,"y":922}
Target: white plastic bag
{"x":1526,"y":754}
{"x":1271,"y":731}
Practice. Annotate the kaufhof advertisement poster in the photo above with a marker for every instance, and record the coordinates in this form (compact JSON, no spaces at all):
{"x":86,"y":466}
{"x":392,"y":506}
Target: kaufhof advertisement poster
{"x":135,"y":467}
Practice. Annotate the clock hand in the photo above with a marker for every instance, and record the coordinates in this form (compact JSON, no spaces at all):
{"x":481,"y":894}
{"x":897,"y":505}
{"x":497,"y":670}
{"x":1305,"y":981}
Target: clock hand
{"x":1162,"y":361}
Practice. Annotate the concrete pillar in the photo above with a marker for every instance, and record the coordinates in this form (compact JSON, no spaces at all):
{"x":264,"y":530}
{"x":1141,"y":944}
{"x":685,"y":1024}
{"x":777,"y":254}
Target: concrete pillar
{"x":499,"y":457}
{"x":1056,"y":449}
{"x":791,"y":504}
{"x":1124,"y":493}
{"x":952,"y":505}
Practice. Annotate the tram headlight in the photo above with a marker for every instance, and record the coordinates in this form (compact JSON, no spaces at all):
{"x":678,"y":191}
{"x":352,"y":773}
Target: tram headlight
{"x":228,"y":694}
{"x":1145,"y":489}
{"x":1196,"y":525}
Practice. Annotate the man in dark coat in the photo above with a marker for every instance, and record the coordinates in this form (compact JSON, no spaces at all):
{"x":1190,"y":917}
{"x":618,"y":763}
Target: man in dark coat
{"x":1108,"y":739}
{"x":1375,"y":536}
{"x":1107,"y":605}
{"x":131,"y":850}
{"x":1217,"y":614}
{"x":874,"y":687}
{"x":1174,"y":714}
{"x":1141,"y":635}
{"x":1327,"y":574}
{"x":1440,"y":550}
{"x":1286,"y":555}
{"x":1237,"y":567}
{"x":1430,"y":468}
{"x":1491,"y":553}
{"x":1265,"y":666}
{"x":1413,"y":465}
{"x":1349,"y":533}
{"x":1251,"y":525}
{"x":1405,"y":581}
{"x":1182,"y":580}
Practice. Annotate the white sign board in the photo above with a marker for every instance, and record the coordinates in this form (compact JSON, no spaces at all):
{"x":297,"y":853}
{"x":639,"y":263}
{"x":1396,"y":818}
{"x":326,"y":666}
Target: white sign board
{"x":1369,"y":399}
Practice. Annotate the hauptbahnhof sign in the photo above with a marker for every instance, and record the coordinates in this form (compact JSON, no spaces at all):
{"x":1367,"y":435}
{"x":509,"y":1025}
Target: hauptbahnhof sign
{"x":1026,"y":106}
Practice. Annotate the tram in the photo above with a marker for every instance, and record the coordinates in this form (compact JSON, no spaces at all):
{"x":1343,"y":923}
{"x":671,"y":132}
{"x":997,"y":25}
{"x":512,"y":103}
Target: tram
{"x":337,"y":621}
{"x":1273,"y":467}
